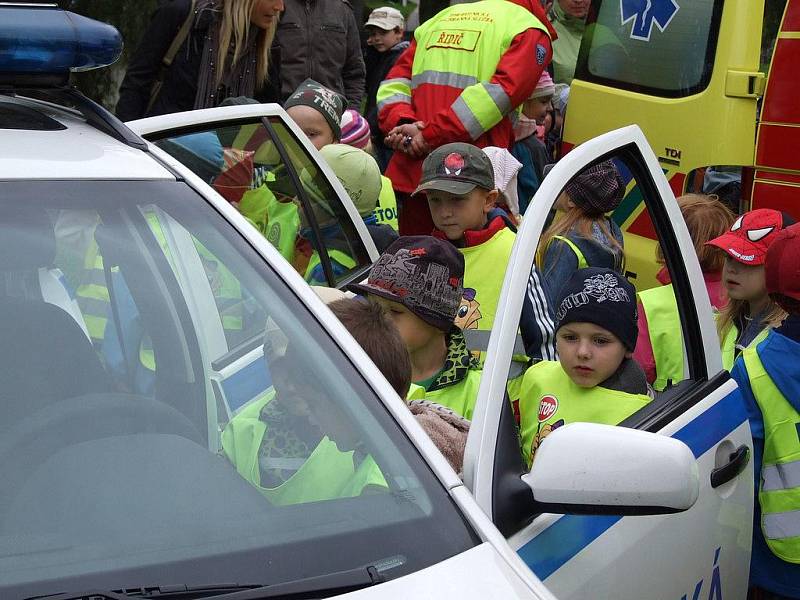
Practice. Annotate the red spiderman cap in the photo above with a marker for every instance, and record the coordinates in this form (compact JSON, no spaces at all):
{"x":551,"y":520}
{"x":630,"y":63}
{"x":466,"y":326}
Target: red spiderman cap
{"x":751,"y":234}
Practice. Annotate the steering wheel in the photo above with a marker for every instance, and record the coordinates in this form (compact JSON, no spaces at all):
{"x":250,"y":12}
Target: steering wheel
{"x":29,"y":442}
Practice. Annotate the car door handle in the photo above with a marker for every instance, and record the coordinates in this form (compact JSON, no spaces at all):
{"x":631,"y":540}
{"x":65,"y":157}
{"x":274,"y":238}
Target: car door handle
{"x":737,"y":461}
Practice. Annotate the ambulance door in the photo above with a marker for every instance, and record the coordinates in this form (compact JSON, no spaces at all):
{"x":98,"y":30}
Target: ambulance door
{"x":582,"y":550}
{"x":259,"y":161}
{"x":688,"y":74}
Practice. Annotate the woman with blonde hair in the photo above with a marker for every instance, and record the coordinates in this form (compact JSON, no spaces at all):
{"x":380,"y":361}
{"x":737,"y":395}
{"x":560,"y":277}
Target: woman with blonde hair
{"x":659,"y":345}
{"x":197,"y":53}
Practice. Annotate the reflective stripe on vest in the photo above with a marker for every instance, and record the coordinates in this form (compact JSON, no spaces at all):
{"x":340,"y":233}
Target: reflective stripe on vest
{"x":549,"y":399}
{"x":327,"y":474}
{"x":664,"y":326}
{"x":729,"y":345}
{"x":582,"y":264}
{"x":779,"y":492}
{"x":92,"y":295}
{"x":392,"y":91}
{"x":460,"y":48}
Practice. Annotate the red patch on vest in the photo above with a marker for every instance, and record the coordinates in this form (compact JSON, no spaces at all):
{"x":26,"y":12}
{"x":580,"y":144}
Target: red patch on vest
{"x":548,"y":406}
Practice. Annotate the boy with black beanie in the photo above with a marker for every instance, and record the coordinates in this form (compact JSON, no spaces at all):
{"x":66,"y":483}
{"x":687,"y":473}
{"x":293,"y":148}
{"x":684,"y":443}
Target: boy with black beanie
{"x":595,"y":380}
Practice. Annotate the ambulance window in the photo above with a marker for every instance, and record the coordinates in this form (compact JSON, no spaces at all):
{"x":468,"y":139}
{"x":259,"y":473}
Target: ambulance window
{"x":657,"y":48}
{"x":773,"y":13}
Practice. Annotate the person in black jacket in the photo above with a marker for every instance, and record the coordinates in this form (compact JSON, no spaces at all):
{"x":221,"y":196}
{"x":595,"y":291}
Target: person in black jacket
{"x":385,"y":28}
{"x":195,"y":79}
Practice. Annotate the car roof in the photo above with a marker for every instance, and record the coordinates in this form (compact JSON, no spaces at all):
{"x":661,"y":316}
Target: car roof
{"x":39,"y":140}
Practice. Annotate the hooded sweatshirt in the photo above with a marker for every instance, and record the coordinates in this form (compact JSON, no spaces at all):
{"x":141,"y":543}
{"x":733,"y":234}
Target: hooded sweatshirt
{"x":565,"y":50}
{"x":779,"y":353}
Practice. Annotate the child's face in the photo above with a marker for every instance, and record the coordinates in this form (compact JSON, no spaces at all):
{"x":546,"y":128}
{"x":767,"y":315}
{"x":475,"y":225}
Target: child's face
{"x":415,"y":332}
{"x":589,"y":354}
{"x":744,"y":282}
{"x":453,"y":215}
{"x":313,"y":125}
{"x":536,"y":108}
{"x":383,"y":39}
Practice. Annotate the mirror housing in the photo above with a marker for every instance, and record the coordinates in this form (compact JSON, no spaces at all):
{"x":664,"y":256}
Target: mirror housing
{"x":587,"y":468}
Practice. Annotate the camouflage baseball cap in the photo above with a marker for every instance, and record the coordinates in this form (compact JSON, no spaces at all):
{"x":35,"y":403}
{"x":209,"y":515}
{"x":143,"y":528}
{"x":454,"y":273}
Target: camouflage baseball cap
{"x":424,"y":274}
{"x":456,"y":168}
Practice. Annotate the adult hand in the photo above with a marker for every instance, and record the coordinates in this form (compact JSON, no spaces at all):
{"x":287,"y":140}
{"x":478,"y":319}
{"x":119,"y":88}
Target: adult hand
{"x":407,"y":138}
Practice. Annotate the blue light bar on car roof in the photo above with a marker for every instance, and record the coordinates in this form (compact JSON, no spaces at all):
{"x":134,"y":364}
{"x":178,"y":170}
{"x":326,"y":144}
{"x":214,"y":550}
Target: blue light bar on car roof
{"x":46,"y":41}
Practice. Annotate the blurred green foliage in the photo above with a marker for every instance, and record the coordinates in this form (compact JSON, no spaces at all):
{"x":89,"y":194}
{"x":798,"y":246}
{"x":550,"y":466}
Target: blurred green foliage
{"x":130,"y":17}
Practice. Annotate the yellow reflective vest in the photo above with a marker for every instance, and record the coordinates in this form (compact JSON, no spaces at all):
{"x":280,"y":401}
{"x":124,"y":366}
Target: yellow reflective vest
{"x":550,"y":399}
{"x":327,"y":473}
{"x":386,"y":213}
{"x":779,"y":492}
{"x":729,"y":344}
{"x":666,"y":338}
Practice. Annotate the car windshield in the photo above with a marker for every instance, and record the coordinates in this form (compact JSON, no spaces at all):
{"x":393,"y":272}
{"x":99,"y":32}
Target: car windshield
{"x":172,"y":414}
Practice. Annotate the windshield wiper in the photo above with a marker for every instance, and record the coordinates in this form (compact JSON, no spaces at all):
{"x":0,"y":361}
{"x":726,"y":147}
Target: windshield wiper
{"x":320,"y":586}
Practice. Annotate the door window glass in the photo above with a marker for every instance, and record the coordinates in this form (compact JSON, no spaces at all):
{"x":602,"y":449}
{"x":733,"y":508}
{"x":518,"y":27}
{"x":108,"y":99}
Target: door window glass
{"x":658,"y":48}
{"x":272,"y":180}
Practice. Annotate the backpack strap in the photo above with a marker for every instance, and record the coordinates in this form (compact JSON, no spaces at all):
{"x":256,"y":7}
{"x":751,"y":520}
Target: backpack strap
{"x":166,"y":62}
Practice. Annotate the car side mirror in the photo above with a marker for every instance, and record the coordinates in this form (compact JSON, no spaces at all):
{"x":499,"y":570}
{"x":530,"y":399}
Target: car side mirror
{"x":586,"y":468}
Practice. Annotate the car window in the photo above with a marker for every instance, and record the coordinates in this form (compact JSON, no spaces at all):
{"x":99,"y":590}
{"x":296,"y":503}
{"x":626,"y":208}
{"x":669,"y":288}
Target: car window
{"x":191,"y":412}
{"x":625,"y":45}
{"x":263,"y":171}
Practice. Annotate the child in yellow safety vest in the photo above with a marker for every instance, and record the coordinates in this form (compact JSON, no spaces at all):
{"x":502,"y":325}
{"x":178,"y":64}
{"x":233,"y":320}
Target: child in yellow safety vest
{"x":750,"y":313}
{"x":372,"y":327}
{"x":582,"y":235}
{"x":419,"y":281}
{"x":659,"y":346}
{"x":358,"y":173}
{"x":595,"y":380}
{"x":295,"y":445}
{"x":768,"y":374}
{"x":459,"y":183}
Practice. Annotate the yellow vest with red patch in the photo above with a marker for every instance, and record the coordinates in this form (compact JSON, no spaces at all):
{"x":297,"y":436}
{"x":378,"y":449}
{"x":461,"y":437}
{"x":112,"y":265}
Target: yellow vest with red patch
{"x":550,"y":399}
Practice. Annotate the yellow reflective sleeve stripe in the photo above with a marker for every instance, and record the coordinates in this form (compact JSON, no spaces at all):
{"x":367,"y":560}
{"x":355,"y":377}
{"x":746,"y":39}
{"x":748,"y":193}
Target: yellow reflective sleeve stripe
{"x":480,"y":107}
{"x":392,"y":91}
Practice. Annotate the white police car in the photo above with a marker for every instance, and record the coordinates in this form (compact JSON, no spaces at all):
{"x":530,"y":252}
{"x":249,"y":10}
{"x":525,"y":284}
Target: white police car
{"x":140,"y":313}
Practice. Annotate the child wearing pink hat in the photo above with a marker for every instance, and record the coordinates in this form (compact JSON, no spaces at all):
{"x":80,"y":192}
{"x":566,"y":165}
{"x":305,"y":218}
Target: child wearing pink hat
{"x":528,"y":149}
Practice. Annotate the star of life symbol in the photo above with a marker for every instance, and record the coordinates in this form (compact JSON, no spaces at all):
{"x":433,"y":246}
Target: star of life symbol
{"x":646,"y":13}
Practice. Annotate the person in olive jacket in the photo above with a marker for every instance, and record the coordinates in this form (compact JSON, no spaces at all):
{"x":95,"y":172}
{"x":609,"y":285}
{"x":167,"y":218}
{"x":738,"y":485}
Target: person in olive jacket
{"x":319,"y":40}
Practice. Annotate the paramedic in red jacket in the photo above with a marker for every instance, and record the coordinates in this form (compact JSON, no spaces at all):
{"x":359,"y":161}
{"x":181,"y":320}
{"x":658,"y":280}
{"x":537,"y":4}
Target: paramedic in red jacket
{"x":467,"y":69}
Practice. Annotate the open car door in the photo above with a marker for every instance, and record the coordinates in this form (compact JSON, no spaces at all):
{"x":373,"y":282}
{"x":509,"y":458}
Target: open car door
{"x":257,"y":158}
{"x":581,"y":545}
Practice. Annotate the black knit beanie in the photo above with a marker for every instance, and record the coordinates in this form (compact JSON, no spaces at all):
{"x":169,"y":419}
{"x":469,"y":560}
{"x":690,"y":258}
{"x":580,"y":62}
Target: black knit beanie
{"x":603,"y":297}
{"x":597,"y":190}
{"x":317,"y":96}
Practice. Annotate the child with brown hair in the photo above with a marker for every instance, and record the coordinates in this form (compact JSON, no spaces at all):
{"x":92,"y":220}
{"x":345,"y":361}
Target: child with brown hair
{"x":750,"y":313}
{"x":659,"y":346}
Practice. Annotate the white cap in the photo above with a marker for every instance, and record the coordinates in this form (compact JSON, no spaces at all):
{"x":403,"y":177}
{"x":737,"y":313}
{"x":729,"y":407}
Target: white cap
{"x":506,"y":168}
{"x":386,"y":18}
